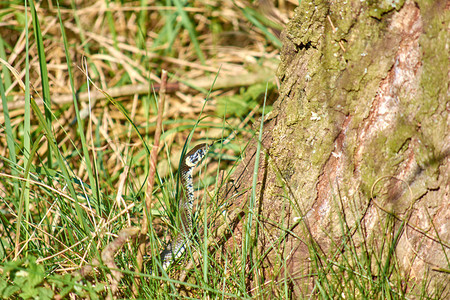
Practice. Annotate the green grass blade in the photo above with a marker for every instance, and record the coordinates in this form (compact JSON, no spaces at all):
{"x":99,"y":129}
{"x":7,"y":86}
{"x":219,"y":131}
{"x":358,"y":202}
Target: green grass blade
{"x":111,"y":24}
{"x":83,"y":40}
{"x":93,"y":182}
{"x":187,"y":24}
{"x":44,"y":72}
{"x":9,"y":135}
{"x":25,"y":197}
{"x":4,"y":70}
{"x":62,"y":165}
{"x":251,"y":15}
{"x":248,"y":240}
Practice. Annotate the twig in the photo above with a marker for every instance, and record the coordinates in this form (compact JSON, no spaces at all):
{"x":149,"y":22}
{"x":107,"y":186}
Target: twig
{"x":108,"y":259}
{"x":110,"y":251}
{"x":204,"y":82}
{"x":334,"y":31}
{"x":152,"y":171}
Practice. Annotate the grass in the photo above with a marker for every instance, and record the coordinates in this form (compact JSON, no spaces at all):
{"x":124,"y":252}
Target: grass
{"x":74,"y":169}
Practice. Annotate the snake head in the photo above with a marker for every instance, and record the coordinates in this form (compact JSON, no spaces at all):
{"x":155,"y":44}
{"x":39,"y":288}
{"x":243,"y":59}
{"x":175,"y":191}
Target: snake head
{"x":193,"y":157}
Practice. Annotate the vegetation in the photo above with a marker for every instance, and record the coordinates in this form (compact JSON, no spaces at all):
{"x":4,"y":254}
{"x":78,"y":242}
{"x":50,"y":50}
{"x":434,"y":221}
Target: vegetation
{"x":75,"y":162}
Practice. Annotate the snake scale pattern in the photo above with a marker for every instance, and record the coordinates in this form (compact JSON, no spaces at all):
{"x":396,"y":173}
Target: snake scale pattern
{"x":177,"y":247}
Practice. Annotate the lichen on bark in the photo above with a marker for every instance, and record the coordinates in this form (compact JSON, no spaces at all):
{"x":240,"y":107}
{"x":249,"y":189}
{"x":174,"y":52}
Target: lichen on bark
{"x":362,"y":113}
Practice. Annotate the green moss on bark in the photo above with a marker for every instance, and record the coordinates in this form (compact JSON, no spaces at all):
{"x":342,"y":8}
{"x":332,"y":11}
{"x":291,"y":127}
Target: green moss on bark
{"x":363,"y":100}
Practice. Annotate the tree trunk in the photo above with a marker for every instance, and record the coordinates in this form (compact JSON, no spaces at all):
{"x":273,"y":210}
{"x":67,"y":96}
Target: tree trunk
{"x":356,"y":150}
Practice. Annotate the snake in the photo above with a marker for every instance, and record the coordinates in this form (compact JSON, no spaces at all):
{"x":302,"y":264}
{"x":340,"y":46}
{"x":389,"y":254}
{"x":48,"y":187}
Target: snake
{"x":177,"y":247}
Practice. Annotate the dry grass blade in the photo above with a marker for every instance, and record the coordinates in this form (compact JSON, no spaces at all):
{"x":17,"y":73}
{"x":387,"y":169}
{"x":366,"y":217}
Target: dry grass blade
{"x":125,"y":49}
{"x":152,"y":171}
{"x":110,"y":251}
{"x":108,"y":258}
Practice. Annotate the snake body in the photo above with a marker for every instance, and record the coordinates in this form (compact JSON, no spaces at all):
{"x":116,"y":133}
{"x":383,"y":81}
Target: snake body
{"x":177,"y":247}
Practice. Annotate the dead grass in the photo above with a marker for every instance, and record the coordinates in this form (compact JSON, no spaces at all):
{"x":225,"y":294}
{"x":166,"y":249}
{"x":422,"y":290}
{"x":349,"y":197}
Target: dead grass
{"x":126,"y":47}
{"x":213,"y":50}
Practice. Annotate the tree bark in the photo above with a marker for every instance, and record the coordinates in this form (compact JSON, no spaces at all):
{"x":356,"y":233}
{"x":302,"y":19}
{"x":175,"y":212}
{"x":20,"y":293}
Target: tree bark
{"x":359,"y":138}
